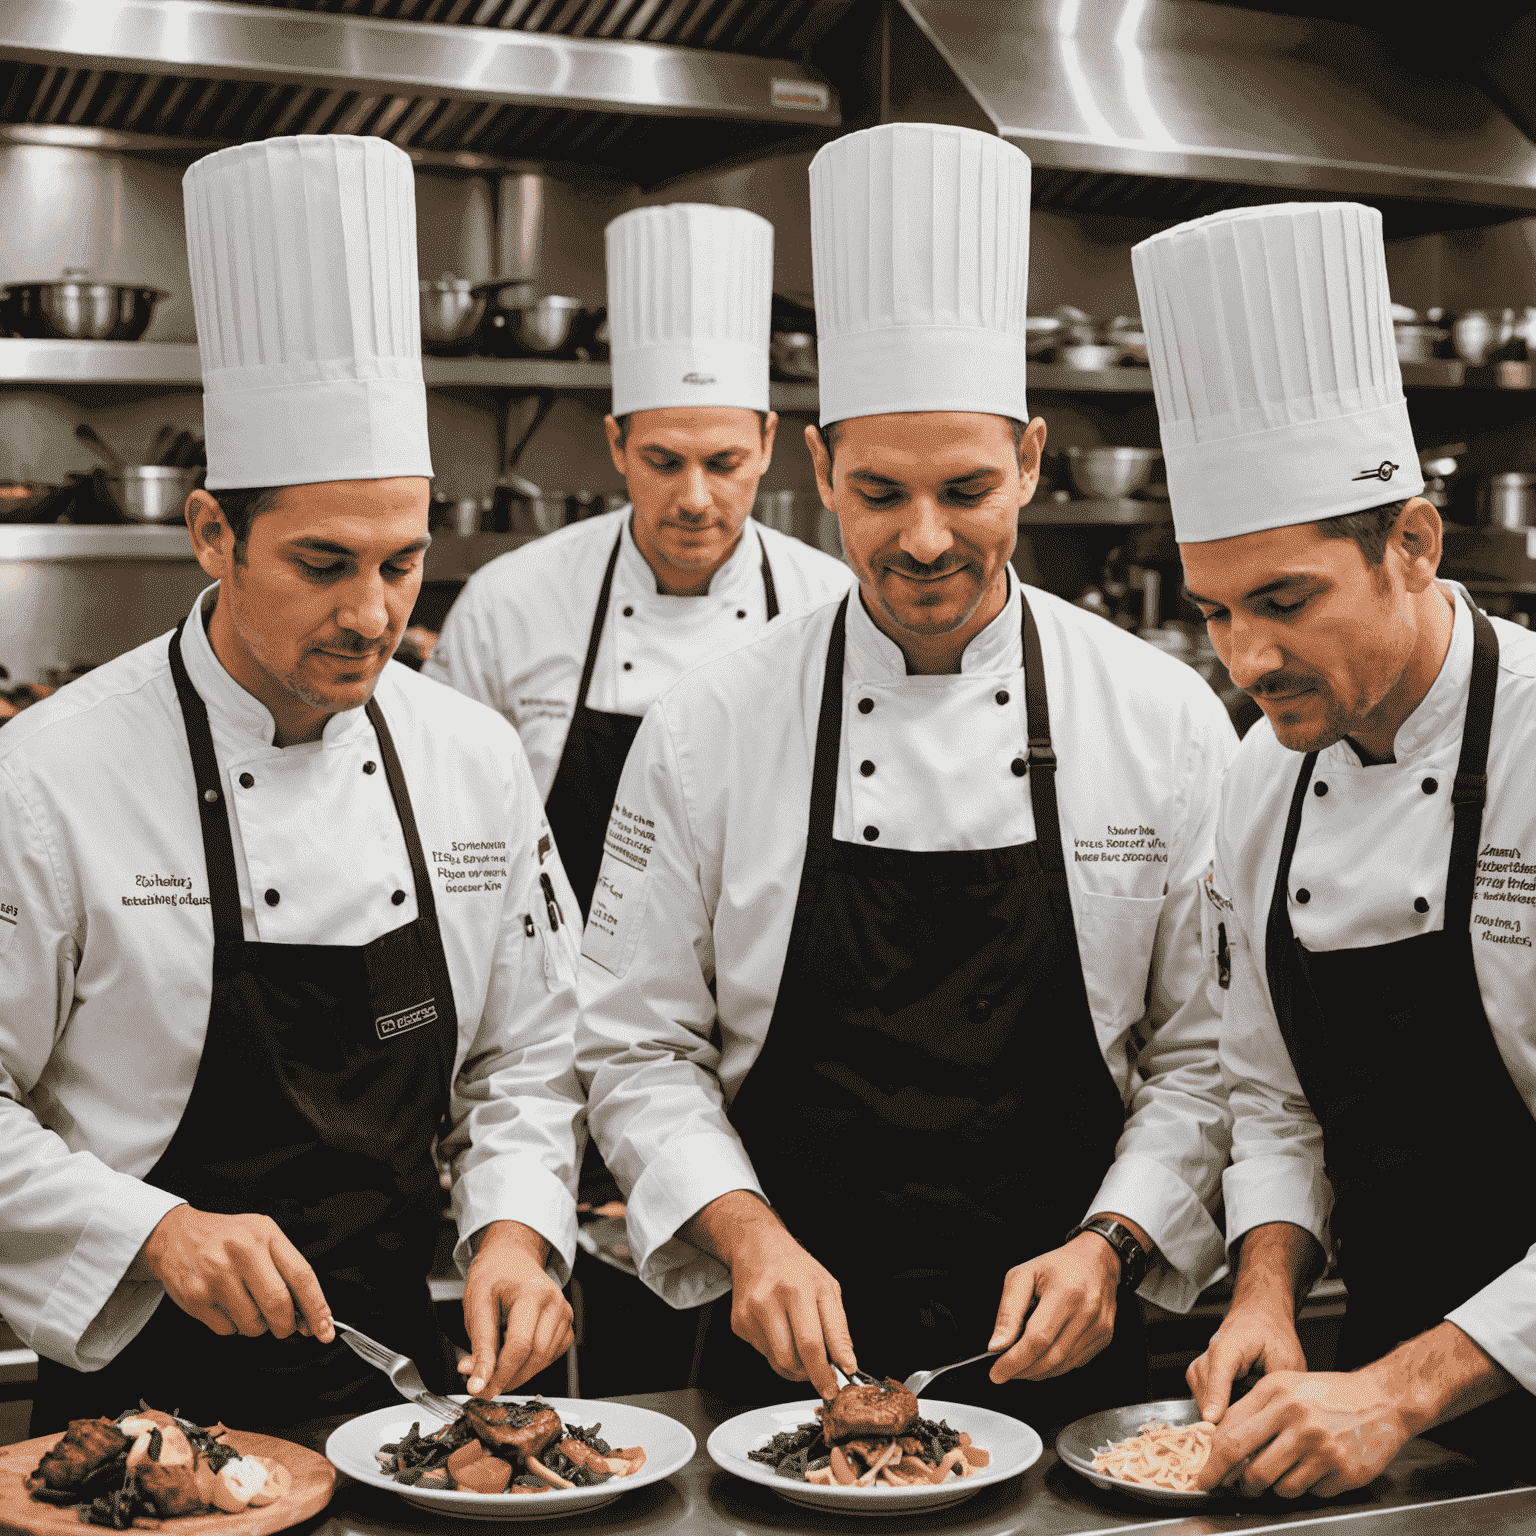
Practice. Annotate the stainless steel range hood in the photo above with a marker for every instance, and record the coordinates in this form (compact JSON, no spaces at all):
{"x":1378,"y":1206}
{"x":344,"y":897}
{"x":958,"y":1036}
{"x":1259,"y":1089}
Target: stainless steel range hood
{"x":1178,"y":107}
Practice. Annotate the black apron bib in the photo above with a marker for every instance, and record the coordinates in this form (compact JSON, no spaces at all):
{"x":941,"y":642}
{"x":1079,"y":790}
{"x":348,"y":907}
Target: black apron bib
{"x":322,"y":1084}
{"x":1426,"y":1139}
{"x":930,"y":1105}
{"x":581,"y":798}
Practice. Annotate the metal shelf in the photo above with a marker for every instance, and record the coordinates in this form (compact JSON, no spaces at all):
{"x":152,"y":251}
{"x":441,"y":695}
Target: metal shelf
{"x":1089,"y":512}
{"x":175,"y":363}
{"x":108,"y":541}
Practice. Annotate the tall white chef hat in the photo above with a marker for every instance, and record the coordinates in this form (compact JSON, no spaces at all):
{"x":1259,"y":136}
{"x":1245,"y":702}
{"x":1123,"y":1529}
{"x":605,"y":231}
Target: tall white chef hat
{"x":1269,"y":331}
{"x":920,"y":239}
{"x":690,"y":301}
{"x":303,"y":255}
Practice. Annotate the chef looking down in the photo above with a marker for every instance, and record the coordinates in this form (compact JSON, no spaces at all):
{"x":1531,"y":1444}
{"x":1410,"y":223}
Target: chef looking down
{"x":1373,"y":872}
{"x":283,"y":913}
{"x":894,"y":974}
{"x":572,"y":637}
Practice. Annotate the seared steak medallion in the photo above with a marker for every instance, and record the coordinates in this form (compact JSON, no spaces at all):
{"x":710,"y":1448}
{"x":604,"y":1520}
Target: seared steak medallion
{"x":511,"y":1430}
{"x":83,"y":1450}
{"x":864,"y":1408}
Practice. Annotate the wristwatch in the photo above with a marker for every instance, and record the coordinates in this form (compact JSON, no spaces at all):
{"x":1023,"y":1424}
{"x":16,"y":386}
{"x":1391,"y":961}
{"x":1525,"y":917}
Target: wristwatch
{"x":1133,"y":1257}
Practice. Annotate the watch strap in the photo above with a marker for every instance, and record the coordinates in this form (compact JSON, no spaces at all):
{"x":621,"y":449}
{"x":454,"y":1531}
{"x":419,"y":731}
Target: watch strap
{"x":1133,"y":1257}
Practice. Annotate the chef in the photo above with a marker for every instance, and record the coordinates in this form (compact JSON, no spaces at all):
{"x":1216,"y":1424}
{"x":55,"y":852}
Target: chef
{"x":892,"y":981}
{"x":278,"y":914}
{"x":572,"y":637}
{"x":1373,"y":883}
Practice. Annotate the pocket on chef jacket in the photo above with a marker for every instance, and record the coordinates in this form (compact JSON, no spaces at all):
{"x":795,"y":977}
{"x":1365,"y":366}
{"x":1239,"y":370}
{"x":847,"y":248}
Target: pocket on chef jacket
{"x":1219,"y":934}
{"x":1115,"y":935}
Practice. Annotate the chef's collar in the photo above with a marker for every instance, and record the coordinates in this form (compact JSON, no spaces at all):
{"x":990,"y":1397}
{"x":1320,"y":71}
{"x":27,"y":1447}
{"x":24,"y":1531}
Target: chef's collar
{"x":997,"y":649}
{"x":735,"y":577}
{"x":235,"y":708}
{"x":1442,"y":711}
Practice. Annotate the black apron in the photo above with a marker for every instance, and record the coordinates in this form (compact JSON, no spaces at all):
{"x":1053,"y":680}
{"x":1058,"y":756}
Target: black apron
{"x":322,"y":1083}
{"x":930,"y":1106}
{"x":581,"y":798}
{"x":1426,"y":1139}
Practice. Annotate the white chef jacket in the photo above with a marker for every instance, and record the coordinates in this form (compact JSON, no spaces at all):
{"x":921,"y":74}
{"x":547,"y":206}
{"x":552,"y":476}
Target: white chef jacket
{"x":690,"y":924}
{"x":106,"y":956}
{"x":517,"y":635}
{"x":1364,"y":853}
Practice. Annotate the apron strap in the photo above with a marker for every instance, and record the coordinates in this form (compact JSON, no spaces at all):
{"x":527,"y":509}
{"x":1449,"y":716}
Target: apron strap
{"x":1470,"y":791}
{"x":426,"y":903}
{"x":1277,"y":930}
{"x":1042,"y":758}
{"x":770,"y":592}
{"x":829,"y":732}
{"x":597,"y":623}
{"x":218,"y":847}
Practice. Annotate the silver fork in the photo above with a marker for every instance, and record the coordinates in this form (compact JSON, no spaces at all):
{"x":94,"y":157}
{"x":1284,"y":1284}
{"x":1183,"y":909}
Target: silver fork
{"x":920,"y":1379}
{"x":400,"y":1369}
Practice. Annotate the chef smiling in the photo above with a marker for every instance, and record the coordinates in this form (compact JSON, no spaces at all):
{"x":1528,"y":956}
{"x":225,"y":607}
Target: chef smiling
{"x":892,"y":978}
{"x":1373,"y":878}
{"x":285,"y":914}
{"x":573,"y":636}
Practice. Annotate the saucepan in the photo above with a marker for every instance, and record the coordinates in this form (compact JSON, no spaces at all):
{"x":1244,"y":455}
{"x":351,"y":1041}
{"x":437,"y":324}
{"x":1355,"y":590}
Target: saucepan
{"x":152,"y":493}
{"x":76,"y":307}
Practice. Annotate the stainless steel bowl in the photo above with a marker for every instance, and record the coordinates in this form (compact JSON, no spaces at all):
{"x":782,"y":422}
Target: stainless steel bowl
{"x":541,"y":328}
{"x":1109,"y":473}
{"x":451,"y":308}
{"x":152,"y":493}
{"x":793,"y":354}
{"x":78,"y":308}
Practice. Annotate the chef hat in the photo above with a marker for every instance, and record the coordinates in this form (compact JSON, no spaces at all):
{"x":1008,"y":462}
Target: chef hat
{"x":920,"y":238}
{"x":303,"y":255}
{"x":1269,"y":331}
{"x":690,"y":302}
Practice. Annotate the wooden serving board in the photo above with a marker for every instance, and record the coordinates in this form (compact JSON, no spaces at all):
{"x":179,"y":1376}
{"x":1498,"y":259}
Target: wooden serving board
{"x":314,"y":1481}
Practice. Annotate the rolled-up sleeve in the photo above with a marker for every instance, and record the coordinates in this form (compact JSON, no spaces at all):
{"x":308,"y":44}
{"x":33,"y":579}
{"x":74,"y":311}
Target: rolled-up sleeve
{"x":73,"y":1227}
{"x":648,"y":1044}
{"x":1277,"y":1143}
{"x":1501,"y":1320}
{"x":516,"y":1129}
{"x":1168,"y":1163}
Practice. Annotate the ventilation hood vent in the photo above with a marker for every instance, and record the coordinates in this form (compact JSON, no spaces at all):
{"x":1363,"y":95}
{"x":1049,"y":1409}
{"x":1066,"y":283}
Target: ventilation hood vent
{"x":1175,"y":108}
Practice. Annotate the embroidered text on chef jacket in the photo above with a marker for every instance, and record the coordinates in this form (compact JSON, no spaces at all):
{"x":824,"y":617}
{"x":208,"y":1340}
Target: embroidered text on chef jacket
{"x":704,"y":856}
{"x":101,"y":863}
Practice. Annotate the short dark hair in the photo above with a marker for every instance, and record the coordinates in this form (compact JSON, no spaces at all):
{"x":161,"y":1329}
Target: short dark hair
{"x":623,"y":421}
{"x":1369,"y":529}
{"x":241,"y":507}
{"x":833,"y":430}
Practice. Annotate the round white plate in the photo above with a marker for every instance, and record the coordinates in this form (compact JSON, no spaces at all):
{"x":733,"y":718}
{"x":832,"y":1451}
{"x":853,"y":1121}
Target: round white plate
{"x":668,"y":1448}
{"x":1077,"y":1444}
{"x":1014,"y":1447}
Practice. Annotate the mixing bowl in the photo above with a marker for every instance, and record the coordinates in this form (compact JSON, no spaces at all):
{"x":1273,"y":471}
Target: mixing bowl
{"x":451,"y":308}
{"x":1107,"y":473}
{"x":77,"y":308}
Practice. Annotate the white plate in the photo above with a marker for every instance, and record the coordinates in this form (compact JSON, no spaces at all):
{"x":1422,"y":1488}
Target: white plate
{"x":1013,"y":1446}
{"x":668,"y":1447}
{"x":1078,"y":1442}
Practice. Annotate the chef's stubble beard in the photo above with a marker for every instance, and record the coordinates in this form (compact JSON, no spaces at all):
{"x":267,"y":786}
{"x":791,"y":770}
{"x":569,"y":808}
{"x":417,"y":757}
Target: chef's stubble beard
{"x":293,"y":681}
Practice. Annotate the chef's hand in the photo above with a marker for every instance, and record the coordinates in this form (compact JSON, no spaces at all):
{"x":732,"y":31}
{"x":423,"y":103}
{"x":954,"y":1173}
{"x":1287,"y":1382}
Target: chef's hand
{"x":517,"y":1319}
{"x":1071,"y":1290}
{"x":1321,"y":1433}
{"x":783,"y":1303}
{"x":1259,"y":1338}
{"x":237,"y":1274}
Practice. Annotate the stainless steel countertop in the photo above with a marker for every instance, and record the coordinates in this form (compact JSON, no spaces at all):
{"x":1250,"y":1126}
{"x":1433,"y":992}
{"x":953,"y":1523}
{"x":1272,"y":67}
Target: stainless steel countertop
{"x":1414,"y":1498}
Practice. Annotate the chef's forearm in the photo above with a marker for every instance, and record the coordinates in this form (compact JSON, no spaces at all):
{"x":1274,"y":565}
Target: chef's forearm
{"x":1277,"y":1264}
{"x":1438,"y":1376}
{"x":720,"y":1227}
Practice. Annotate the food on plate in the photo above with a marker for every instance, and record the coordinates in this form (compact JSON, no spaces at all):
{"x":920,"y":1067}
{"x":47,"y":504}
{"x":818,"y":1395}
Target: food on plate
{"x":1161,"y":1456}
{"x":507,"y":1448}
{"x":150,"y":1465}
{"x":871,"y":1436}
